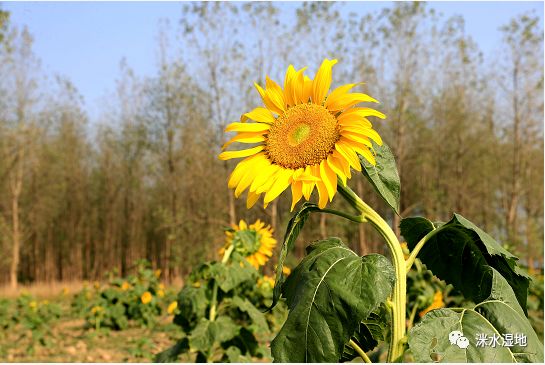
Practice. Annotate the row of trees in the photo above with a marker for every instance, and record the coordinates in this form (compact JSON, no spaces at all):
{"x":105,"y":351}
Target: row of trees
{"x":79,"y":198}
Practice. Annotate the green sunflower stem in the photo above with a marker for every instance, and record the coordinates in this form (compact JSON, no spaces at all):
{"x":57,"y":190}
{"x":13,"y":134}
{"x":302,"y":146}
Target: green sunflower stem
{"x":214,"y":304}
{"x":399,"y":295}
{"x":360,"y":352}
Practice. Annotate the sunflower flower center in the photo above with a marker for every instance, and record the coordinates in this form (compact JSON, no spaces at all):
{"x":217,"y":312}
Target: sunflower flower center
{"x":303,"y":136}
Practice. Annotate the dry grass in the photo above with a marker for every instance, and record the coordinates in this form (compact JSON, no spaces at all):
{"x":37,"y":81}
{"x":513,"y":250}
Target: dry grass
{"x":49,"y":290}
{"x":42,"y":290}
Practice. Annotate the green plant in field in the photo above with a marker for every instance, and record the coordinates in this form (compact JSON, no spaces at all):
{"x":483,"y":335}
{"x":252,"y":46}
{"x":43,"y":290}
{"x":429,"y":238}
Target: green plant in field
{"x":139,"y":298}
{"x":221,"y":308}
{"x":342,"y":305}
{"x":31,"y":315}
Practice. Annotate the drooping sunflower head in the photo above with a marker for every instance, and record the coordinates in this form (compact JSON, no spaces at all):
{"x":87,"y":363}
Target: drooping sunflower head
{"x":254,"y":241}
{"x":304,"y":137}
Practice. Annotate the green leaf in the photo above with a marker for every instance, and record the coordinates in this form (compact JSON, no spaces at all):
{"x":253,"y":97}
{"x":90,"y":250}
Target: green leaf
{"x":328,"y":294}
{"x":460,"y":253}
{"x":383,"y":176}
{"x":192,"y":306}
{"x":208,"y":332}
{"x":257,"y":317}
{"x":292,"y":231}
{"x":233,"y":354}
{"x":171,"y":354}
{"x":371,"y":330}
{"x":498,"y":315}
{"x":231,"y":276}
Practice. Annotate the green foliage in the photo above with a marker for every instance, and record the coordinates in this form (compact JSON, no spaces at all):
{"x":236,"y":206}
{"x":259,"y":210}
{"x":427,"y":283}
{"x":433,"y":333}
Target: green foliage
{"x":222,"y":312}
{"x":140,"y":298}
{"x":383,"y":176}
{"x":474,"y":263}
{"x":461,"y":254}
{"x":31,"y":315}
{"x":499,"y":314}
{"x":295,"y":225}
{"x":328,"y":294}
{"x":371,"y":331}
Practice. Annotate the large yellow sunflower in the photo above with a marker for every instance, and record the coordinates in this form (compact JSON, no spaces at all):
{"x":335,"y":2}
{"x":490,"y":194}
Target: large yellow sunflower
{"x":305,"y":138}
{"x":255,"y":242}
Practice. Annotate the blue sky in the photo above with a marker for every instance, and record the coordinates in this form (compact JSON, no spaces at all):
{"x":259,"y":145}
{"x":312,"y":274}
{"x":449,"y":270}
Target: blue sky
{"x":85,"y":41}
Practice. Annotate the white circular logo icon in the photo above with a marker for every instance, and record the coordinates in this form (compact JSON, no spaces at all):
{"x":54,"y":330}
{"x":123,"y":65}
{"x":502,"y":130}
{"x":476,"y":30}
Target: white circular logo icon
{"x":454,"y":336}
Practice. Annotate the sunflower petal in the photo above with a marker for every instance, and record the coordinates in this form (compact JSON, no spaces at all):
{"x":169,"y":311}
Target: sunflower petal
{"x":298,"y":86}
{"x":360,"y":112}
{"x":307,"y":89}
{"x":322,"y":81}
{"x":265,"y":96}
{"x":275,"y":94}
{"x":308,"y":182}
{"x":281,"y":183}
{"x":349,"y":154}
{"x":288,"y":85}
{"x":245,"y":138}
{"x":343,"y":162}
{"x":329,"y":179}
{"x":227,"y":155}
{"x":336,"y":166}
{"x":259,"y":114}
{"x":367,"y":132}
{"x":264,"y":175}
{"x":247,"y":127}
{"x":322,"y":194}
{"x":337,"y":93}
{"x":362,"y":149}
{"x":355,"y":122}
{"x":265,"y":186}
{"x":240,"y":170}
{"x":296,"y":193}
{"x":357,"y":138}
{"x":252,"y":199}
{"x":348,"y":100}
{"x":246,"y":180}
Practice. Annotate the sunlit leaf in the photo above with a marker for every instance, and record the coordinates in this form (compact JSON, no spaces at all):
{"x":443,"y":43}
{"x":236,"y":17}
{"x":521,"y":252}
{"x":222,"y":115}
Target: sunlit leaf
{"x":498,"y":315}
{"x":329,"y":293}
{"x":460,"y":253}
{"x":383,"y":176}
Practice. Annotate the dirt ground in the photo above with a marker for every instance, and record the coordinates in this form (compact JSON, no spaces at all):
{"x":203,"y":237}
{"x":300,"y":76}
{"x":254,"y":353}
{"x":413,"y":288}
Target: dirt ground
{"x":69,"y":340}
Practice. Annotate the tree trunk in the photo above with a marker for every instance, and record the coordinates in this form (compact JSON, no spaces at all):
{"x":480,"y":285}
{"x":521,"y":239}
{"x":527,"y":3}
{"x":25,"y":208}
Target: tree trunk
{"x":16,"y":228}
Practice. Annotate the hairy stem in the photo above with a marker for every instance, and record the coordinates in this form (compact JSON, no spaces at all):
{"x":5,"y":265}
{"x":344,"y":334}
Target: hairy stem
{"x":418,"y":247}
{"x":360,"y":352}
{"x":213,"y":306}
{"x":399,"y":295}
{"x":411,"y":317}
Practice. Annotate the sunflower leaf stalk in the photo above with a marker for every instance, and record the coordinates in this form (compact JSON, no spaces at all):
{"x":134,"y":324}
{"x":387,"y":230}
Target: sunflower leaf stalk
{"x":399,"y":295}
{"x":214,"y":303}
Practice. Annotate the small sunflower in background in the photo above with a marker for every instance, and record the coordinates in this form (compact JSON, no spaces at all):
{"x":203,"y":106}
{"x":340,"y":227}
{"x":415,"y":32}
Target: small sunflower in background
{"x":436,"y":304}
{"x":146,"y":297}
{"x":172,"y":307}
{"x":306,"y":136}
{"x":266,"y":281}
{"x":254,"y":241}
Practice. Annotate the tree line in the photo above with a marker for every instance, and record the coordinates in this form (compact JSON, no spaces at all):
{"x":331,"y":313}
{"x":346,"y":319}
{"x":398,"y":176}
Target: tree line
{"x":80,"y":197}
